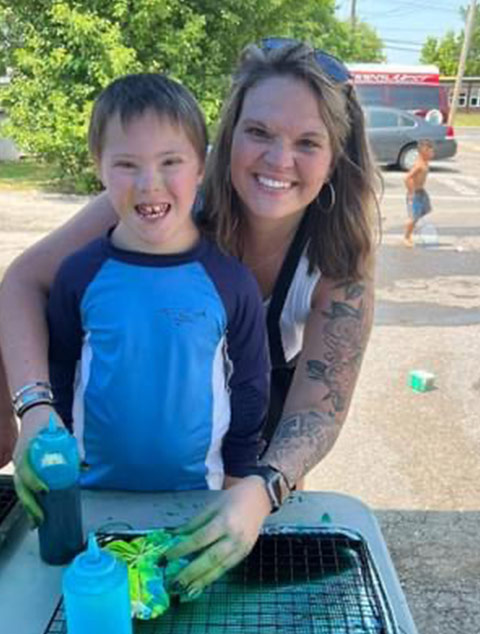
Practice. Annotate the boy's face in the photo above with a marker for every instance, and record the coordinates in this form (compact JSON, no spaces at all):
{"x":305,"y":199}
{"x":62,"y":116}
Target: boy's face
{"x":426,"y":152}
{"x":151,"y":172}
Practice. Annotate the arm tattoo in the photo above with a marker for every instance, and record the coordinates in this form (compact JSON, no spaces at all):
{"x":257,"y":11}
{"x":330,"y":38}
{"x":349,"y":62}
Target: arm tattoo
{"x":344,"y":349}
{"x":300,"y":441}
{"x":304,"y":438}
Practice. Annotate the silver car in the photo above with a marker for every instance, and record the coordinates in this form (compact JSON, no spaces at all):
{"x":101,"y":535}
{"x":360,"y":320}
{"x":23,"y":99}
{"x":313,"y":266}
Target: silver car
{"x":394,"y":134}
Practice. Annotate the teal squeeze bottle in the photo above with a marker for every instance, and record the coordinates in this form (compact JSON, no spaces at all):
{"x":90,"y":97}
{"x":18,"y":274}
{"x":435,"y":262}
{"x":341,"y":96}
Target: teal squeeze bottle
{"x":95,"y":590}
{"x":54,"y":458}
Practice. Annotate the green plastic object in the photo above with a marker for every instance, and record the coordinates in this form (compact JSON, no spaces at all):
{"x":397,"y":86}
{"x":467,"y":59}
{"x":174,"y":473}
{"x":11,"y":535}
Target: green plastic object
{"x":421,"y":380}
{"x":149,"y":574}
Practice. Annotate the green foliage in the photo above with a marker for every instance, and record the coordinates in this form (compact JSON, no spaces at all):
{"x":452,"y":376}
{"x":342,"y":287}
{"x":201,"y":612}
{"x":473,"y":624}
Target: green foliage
{"x":62,"y":64}
{"x":445,"y":52}
{"x":361,"y":45}
{"x":64,"y":52}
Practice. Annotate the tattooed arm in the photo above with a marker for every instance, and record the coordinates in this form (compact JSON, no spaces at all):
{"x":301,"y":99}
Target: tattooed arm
{"x":335,"y":339}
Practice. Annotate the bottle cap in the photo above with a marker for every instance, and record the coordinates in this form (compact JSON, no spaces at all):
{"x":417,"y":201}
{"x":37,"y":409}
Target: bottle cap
{"x":94,"y":571}
{"x":54,"y":456}
{"x":94,"y":560}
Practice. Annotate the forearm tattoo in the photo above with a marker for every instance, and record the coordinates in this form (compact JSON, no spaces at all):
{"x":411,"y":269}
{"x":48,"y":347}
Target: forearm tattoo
{"x":300,"y":442}
{"x":304,"y":438}
{"x":344,"y":343}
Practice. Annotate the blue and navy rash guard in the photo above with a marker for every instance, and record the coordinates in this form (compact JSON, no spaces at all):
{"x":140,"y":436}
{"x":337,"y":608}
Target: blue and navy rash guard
{"x":159,"y":365}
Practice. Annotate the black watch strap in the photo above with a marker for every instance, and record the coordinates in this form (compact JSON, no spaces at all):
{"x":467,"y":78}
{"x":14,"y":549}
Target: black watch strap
{"x":275,"y":484}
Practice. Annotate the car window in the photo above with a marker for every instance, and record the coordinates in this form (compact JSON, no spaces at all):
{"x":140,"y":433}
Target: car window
{"x":371,"y":95}
{"x":407,"y":122}
{"x":382,"y":119}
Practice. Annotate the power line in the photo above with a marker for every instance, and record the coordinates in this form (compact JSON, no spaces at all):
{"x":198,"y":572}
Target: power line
{"x":393,"y":47}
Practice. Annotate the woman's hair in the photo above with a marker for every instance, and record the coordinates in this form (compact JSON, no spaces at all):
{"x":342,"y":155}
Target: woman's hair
{"x":130,"y":96}
{"x":341,"y":227}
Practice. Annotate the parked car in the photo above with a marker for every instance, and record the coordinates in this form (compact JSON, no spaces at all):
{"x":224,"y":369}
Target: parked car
{"x":394,"y":134}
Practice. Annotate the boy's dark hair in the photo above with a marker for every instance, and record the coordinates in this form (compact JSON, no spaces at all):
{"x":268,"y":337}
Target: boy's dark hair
{"x":132,"y":95}
{"x":425,"y":143}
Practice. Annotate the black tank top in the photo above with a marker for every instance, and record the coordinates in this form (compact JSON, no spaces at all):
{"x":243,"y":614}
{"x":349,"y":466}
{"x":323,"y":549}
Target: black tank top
{"x":282,"y":371}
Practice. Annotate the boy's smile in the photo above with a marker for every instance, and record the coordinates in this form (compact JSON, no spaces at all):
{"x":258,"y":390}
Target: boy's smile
{"x":151,"y":172}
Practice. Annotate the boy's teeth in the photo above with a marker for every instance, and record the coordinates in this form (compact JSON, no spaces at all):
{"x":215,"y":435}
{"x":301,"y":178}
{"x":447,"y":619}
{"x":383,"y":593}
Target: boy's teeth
{"x":153,"y":210}
{"x":274,"y":184}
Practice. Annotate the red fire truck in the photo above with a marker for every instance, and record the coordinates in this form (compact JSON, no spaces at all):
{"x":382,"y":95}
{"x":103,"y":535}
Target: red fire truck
{"x":414,"y":88}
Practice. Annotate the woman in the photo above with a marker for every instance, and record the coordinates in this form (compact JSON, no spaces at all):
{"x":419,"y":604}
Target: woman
{"x":289,"y":190}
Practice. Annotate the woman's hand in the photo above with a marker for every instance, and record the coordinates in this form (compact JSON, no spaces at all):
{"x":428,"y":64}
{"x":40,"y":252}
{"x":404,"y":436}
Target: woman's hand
{"x":225,"y":532}
{"x":8,"y":438}
{"x":27,"y":483}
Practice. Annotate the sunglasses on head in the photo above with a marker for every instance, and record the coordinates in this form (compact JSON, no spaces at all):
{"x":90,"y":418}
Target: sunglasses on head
{"x":331,"y":65}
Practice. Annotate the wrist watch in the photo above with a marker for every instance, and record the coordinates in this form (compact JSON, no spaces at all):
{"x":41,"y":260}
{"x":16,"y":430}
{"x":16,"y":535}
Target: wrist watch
{"x":276,"y":485}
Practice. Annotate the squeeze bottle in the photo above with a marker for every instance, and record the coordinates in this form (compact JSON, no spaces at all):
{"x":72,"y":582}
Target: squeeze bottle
{"x":95,"y":591}
{"x":54,"y":458}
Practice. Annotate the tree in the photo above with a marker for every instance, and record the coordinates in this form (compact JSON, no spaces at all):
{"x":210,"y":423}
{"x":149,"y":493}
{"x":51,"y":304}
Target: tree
{"x":63,"y":52}
{"x":445,"y":52}
{"x":58,"y":70}
{"x":361,"y":45}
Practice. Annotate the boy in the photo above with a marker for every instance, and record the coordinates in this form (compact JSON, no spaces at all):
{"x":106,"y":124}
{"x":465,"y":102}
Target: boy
{"x":418,"y":200}
{"x":158,"y":356}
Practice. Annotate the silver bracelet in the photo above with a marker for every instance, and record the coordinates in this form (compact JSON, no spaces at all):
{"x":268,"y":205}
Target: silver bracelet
{"x":32,"y":398}
{"x":33,"y":403}
{"x":28,"y":387}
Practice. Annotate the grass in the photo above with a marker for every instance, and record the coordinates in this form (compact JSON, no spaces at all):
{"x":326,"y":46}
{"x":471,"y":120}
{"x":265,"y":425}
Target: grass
{"x":26,"y":174}
{"x":470,"y":119}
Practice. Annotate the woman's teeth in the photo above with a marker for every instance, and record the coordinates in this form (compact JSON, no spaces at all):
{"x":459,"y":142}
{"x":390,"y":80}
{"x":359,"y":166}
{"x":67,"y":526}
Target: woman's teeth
{"x":273,"y":184}
{"x":153,"y":211}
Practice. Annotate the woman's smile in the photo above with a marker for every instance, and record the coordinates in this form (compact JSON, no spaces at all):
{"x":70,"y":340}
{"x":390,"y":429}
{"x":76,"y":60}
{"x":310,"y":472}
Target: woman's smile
{"x":281,"y":152}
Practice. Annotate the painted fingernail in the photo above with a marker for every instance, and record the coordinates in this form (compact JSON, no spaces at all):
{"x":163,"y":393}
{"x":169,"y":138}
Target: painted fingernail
{"x":178,"y":587}
{"x":32,"y":524}
{"x":193,"y":592}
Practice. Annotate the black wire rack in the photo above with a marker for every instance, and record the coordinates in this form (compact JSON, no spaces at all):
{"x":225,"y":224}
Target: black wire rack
{"x":320,"y":582}
{"x":10,"y":509}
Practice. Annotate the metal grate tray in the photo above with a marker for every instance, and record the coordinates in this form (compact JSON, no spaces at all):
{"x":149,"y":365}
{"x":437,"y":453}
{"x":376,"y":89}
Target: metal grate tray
{"x":10,"y":508}
{"x":315,"y":581}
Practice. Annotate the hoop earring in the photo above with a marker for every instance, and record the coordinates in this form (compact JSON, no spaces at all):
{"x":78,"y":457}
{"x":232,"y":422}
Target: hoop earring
{"x":333,"y":198}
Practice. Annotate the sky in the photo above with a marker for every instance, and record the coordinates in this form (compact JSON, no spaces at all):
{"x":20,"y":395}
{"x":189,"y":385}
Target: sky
{"x":404,"y":25}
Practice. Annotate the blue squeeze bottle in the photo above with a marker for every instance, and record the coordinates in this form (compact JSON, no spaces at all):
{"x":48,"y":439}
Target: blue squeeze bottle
{"x":95,"y":591}
{"x":54,"y":458}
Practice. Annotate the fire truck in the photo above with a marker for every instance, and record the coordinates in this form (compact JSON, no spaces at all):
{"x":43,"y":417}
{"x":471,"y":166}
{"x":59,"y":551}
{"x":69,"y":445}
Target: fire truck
{"x":415,"y":88}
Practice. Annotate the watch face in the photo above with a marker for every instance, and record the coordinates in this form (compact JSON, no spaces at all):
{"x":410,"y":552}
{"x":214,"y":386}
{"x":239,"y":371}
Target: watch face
{"x":276,"y":487}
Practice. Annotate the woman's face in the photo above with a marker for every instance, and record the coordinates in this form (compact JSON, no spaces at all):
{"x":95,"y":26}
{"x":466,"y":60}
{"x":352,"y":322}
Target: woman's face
{"x":281,"y":153}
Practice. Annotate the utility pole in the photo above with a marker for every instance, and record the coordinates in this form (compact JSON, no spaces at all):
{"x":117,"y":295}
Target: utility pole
{"x":463,"y":61}
{"x":353,"y":14}
{"x":353,"y":21}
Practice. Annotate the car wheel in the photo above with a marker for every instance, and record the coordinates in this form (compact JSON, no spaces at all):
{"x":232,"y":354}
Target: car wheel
{"x":407,"y":157}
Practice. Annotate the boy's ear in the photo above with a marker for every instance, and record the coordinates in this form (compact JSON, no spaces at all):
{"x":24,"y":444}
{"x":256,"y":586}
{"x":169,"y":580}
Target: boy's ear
{"x":201,"y":174}
{"x":98,"y":169}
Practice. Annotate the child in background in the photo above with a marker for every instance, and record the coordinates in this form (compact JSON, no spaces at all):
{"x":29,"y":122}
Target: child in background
{"x":158,"y":357}
{"x":418,"y":200}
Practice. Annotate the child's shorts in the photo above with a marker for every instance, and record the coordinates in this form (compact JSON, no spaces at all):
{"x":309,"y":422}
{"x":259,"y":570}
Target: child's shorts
{"x":419,"y":205}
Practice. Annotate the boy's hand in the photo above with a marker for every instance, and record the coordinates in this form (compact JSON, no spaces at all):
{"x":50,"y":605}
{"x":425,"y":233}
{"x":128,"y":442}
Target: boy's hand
{"x":27,"y":483}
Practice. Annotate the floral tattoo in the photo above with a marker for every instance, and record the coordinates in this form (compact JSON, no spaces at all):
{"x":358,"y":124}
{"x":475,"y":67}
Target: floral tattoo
{"x":344,"y":349}
{"x":304,"y":438}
